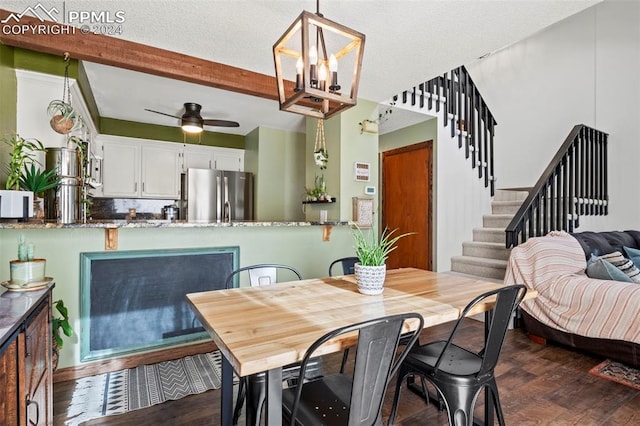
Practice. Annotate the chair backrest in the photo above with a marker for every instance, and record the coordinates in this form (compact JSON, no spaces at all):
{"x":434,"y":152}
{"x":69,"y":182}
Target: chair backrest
{"x":261,"y":274}
{"x":507,"y":300}
{"x":376,"y":362}
{"x":347,"y":264}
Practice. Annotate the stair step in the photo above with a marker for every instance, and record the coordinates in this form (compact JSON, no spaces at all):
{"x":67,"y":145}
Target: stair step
{"x":489,"y":235}
{"x":486,"y":250}
{"x":505,"y":207}
{"x":478,"y":266}
{"x":496,"y":220}
{"x":510,"y":195}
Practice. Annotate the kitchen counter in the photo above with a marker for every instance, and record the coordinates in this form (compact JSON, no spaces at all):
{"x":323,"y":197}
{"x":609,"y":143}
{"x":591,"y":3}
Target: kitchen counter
{"x":115,"y":224}
{"x":15,"y":306}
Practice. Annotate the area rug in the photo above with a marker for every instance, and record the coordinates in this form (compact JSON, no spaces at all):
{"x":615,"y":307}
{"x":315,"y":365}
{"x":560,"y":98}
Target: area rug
{"x":135,"y":388}
{"x":617,"y":372}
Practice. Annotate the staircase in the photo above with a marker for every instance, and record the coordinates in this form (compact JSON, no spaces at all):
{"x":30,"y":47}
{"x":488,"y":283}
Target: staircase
{"x":486,"y":256}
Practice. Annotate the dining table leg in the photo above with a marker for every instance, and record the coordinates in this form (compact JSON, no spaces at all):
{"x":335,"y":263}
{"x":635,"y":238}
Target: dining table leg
{"x":273,"y":403}
{"x":226,"y":399}
{"x":488,"y":396}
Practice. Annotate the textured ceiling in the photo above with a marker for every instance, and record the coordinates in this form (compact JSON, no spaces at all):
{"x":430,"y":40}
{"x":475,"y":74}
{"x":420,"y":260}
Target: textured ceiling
{"x":407,"y":41}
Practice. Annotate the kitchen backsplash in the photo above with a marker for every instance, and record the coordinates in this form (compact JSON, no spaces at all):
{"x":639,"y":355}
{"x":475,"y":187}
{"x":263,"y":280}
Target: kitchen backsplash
{"x":118,"y":208}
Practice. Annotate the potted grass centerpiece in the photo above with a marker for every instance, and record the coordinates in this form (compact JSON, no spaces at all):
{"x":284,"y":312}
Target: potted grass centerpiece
{"x":372,"y":252}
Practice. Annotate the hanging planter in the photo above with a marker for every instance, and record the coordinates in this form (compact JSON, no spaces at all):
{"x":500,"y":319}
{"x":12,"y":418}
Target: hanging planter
{"x":64,"y":118}
{"x":320,"y":154}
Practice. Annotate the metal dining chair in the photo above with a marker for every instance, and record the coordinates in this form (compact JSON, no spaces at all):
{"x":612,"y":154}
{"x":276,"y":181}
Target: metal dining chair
{"x":459,"y":374}
{"x":347,"y":264}
{"x":261,"y":275}
{"x":339,"y":399}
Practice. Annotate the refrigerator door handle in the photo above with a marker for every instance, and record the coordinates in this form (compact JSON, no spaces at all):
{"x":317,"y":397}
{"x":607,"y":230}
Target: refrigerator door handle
{"x":218,"y":204}
{"x":227,"y":206}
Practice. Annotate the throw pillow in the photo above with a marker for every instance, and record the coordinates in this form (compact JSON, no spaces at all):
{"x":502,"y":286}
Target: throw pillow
{"x":634,"y":255}
{"x":603,"y":270}
{"x":622,"y":263}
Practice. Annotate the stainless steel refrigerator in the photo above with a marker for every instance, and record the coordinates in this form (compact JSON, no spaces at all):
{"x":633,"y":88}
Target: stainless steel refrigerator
{"x":216,"y":196}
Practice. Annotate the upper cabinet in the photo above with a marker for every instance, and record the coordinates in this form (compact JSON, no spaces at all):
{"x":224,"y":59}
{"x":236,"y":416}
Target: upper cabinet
{"x":206,"y":157}
{"x":140,"y":168}
{"x":136,"y":168}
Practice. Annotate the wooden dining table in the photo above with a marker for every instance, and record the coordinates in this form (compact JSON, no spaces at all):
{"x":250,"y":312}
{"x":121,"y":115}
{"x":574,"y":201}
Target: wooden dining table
{"x":262,"y":329}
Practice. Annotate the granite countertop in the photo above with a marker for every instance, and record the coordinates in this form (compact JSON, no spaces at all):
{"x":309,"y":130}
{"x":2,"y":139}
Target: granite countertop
{"x":157,"y":223}
{"x":15,"y":307}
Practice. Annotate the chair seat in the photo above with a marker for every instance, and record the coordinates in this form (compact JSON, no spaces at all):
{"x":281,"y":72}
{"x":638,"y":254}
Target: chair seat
{"x":327,"y":398}
{"x":291,"y":372}
{"x":457,"y":361}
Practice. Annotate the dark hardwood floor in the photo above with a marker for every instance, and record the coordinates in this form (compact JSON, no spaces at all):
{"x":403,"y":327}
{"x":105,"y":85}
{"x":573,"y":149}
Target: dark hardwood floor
{"x":539,"y":385}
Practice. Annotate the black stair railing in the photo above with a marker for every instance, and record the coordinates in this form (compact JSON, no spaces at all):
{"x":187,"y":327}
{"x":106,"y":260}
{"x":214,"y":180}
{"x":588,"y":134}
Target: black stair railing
{"x":465,"y":111}
{"x":573,"y":184}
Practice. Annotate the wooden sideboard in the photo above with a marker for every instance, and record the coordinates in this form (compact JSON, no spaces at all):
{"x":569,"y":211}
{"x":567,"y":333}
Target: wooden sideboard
{"x":26,"y":386}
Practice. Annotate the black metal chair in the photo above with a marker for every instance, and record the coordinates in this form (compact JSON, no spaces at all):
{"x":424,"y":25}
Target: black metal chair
{"x":347,"y":264}
{"x":338,"y":399}
{"x":260,"y":275}
{"x":459,"y":374}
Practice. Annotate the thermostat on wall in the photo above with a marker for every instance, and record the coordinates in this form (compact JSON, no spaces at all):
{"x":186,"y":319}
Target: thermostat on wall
{"x":370,"y":190}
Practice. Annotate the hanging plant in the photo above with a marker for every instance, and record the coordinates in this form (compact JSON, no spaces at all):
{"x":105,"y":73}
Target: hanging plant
{"x":64,"y":118}
{"x":320,"y":154}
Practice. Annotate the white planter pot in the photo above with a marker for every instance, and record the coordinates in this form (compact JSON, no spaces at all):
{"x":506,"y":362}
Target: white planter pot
{"x":370,"y":279}
{"x":12,"y":204}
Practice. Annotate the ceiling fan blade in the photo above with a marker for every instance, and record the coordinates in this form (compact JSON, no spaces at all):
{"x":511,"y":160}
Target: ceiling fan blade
{"x":163,"y":113}
{"x":220,"y":123}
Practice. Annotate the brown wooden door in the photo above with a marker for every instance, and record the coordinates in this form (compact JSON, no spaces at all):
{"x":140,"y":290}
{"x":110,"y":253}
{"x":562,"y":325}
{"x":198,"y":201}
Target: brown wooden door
{"x":407,"y":203}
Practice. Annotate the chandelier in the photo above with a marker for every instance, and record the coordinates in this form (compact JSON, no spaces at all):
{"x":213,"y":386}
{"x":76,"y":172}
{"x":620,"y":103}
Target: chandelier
{"x":308,"y":58}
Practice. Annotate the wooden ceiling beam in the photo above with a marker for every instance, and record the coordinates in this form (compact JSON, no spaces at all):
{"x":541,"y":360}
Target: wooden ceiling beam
{"x":126,"y":54}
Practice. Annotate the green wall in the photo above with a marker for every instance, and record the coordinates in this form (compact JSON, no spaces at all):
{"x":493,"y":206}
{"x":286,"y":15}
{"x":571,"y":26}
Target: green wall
{"x":112,"y":126}
{"x":421,"y":132}
{"x":276,"y":159}
{"x":8,"y":100}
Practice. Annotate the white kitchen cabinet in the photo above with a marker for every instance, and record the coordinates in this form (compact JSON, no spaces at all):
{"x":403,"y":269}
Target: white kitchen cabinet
{"x":120,"y":168}
{"x":228,"y":159}
{"x":160,"y":171}
{"x":207,"y":157}
{"x":197,"y":157}
{"x":137,"y":168}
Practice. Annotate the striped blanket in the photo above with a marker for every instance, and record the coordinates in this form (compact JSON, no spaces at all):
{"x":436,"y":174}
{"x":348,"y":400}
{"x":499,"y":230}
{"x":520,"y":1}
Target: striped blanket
{"x":567,"y":299}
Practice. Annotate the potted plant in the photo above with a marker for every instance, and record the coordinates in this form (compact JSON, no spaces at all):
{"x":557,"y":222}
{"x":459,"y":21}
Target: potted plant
{"x":64,"y":117}
{"x":372,"y":253}
{"x":38,"y":181}
{"x":59,"y":323}
{"x":21,"y":152}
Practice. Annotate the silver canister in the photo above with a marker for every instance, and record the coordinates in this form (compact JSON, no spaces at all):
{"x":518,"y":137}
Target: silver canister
{"x":171,"y":212}
{"x":63,"y":203}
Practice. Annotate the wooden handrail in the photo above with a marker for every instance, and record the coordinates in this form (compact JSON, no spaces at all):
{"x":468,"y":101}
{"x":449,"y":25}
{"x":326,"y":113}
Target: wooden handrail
{"x":573,"y":184}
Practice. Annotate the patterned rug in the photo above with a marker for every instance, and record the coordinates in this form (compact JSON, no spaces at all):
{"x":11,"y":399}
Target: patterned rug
{"x":618,"y":373}
{"x":144,"y":386}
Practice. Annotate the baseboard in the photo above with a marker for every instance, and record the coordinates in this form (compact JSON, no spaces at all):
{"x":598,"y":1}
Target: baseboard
{"x":109,"y":365}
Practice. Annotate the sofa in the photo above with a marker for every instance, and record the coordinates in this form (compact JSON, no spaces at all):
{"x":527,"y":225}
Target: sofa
{"x":599,"y":316}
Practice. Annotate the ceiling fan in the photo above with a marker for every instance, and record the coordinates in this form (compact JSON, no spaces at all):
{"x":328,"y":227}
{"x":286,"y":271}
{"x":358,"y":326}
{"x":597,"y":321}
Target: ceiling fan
{"x":192,"y":122}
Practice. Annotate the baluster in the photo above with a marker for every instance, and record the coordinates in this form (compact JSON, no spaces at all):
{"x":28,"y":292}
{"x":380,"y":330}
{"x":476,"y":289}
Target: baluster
{"x":413,"y":96}
{"x":571,"y":206}
{"x":592,"y":172}
{"x":491,"y":180}
{"x":439,"y":91}
{"x":583,"y":171}
{"x":430,"y":92}
{"x":421,"y":86}
{"x":565,"y":198}
{"x":472,"y":125}
{"x":486,"y":144}
{"x":445,"y":93}
{"x":539,"y":213}
{"x":467,"y":97}
{"x":459,"y":114}
{"x":479,"y":145}
{"x":600,"y":174}
{"x":453,"y":108}
{"x":545,"y":211}
{"x":606,"y":175}
{"x":552,"y":202}
{"x":404,"y":97}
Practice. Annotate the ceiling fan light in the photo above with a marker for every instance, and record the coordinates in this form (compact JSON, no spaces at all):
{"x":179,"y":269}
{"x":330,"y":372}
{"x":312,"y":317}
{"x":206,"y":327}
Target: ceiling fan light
{"x":191,"y":125}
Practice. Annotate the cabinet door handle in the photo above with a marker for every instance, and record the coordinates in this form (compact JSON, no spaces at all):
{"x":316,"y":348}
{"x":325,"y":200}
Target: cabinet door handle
{"x":29,"y":402}
{"x":27,"y":339}
{"x":135,"y":187}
